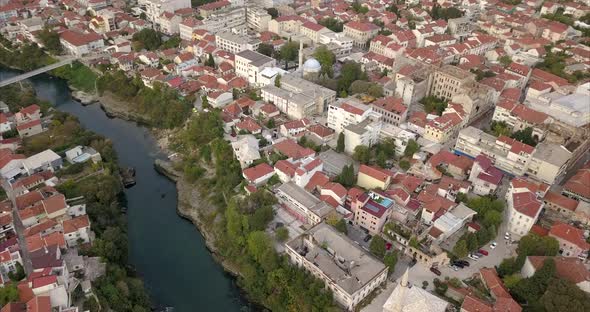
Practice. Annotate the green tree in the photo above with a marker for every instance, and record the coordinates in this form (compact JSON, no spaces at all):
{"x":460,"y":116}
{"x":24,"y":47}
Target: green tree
{"x":505,"y":60}
{"x":270,"y":123}
{"x":347,"y":177}
{"x":340,"y":144}
{"x":343,"y":94}
{"x":525,"y":136}
{"x":375,"y":90}
{"x":282,"y":234}
{"x":19,"y":274}
{"x":500,"y":128}
{"x":341,"y":226}
{"x":564,"y":296}
{"x":460,"y":249}
{"x":146,"y":38}
{"x":349,"y":73}
{"x":210,"y":61}
{"x":362,"y":154}
{"x":50,"y":40}
{"x":404,"y":164}
{"x":510,"y":281}
{"x":289,"y":52}
{"x":205,"y":102}
{"x":332,"y":24}
{"x":278,"y":81}
{"x":266,"y":49}
{"x":472,"y":244}
{"x":377,"y":246}
{"x":390,"y":260}
{"x":411,"y":148}
{"x":8,"y":293}
{"x":273,"y":12}
{"x":531,"y":289}
{"x":433,"y":104}
{"x":326,"y":58}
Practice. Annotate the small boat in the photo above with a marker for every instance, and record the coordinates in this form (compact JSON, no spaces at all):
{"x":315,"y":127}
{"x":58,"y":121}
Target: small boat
{"x":127,"y":177}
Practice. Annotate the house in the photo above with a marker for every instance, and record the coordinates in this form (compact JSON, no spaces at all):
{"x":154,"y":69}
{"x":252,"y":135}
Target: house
{"x":81,"y":154}
{"x":11,"y":165}
{"x":246,"y":150}
{"x":29,"y":128}
{"x":77,"y":230}
{"x":258,"y":174}
{"x":79,"y":44}
{"x":219,"y":99}
{"x":301,"y":204}
{"x":292,"y":150}
{"x":294,"y":128}
{"x":46,"y":160}
{"x":371,"y":177}
{"x":345,"y":268}
{"x":248,"y":125}
{"x":5,"y":124}
{"x":569,"y":268}
{"x":571,"y":240}
{"x":577,"y":186}
{"x":484,"y":177}
{"x":392,"y":110}
{"x":523,"y":208}
{"x":560,"y":207}
{"x":360,"y":32}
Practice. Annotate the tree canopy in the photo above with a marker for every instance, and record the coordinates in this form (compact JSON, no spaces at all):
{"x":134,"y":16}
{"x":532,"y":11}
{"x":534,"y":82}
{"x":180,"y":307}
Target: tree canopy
{"x":146,"y":38}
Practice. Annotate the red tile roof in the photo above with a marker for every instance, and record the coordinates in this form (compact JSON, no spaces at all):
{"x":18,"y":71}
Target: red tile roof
{"x":474,"y":304}
{"x":375,"y":172}
{"x":561,"y":201}
{"x":318,"y":179}
{"x":579,"y":183}
{"x":526,"y":203}
{"x":76,"y":224}
{"x":569,"y":233}
{"x":569,"y":268}
{"x":293,"y":150}
{"x":258,"y":171}
{"x":494,"y":283}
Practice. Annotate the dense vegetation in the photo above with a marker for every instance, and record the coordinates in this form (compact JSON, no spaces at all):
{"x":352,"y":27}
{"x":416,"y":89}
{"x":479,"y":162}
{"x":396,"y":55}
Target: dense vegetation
{"x":438,"y":12}
{"x":529,"y":245}
{"x":28,"y":56}
{"x":332,"y":24}
{"x":50,"y":40}
{"x":434,"y":105}
{"x":555,"y":62}
{"x":162,"y":106}
{"x":78,"y":76}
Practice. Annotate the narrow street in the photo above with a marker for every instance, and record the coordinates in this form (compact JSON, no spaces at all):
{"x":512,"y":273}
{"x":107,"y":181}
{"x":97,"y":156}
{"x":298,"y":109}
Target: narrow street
{"x":19,"y":228}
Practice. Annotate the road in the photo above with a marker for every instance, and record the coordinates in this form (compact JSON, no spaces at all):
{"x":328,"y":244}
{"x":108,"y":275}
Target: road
{"x":19,"y":228}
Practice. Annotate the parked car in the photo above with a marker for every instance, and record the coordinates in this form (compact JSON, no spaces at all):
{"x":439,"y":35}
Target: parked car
{"x":463,"y":262}
{"x":483,"y":252}
{"x":388,"y":246}
{"x":493,"y":245}
{"x":455,"y":268}
{"x":507,"y":236}
{"x":457,"y":264}
{"x":478,"y":255}
{"x":473,"y":257}
{"x":367,"y":238}
{"x":435,"y":271}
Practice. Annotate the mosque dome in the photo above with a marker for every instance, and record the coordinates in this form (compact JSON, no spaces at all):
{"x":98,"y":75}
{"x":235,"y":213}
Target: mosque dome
{"x":312,"y":65}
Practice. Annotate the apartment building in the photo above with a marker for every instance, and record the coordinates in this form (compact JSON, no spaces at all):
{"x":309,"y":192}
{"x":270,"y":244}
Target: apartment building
{"x":343,"y":113}
{"x":372,"y":211}
{"x":411,"y":83}
{"x":298,"y":98}
{"x":523,"y":207}
{"x":444,"y":127}
{"x":208,"y":9}
{"x":449,"y":81}
{"x":188,"y":26}
{"x":338,"y":43}
{"x":257,"y":19}
{"x":313,"y":31}
{"x":366,"y":133}
{"x":234,"y":43}
{"x":520,"y":117}
{"x":79,"y":44}
{"x":301,"y":204}
{"x":286,"y":26}
{"x":228,"y":19}
{"x":347,"y":270}
{"x":360,"y":32}
{"x":249,"y":64}
{"x":155,"y":8}
{"x":392,"y":110}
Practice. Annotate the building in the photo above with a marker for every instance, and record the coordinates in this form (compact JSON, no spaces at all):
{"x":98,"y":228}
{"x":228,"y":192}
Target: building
{"x":410,"y":298}
{"x":29,"y":128}
{"x":46,"y":160}
{"x":484,"y":177}
{"x":452,"y":221}
{"x":344,"y":113}
{"x":302,"y":204}
{"x":372,"y":211}
{"x":258,"y":174}
{"x":371,"y":177}
{"x":577,"y":186}
{"x":338,"y":43}
{"x":298,"y":98}
{"x":392,"y":110}
{"x":246,"y":150}
{"x":235,"y":43}
{"x":360,"y":32}
{"x":79,"y":44}
{"x":523,"y":208}
{"x":249,"y":64}
{"x":313,"y":31}
{"x":571,"y":240}
{"x":520,"y":117}
{"x":444,"y":127}
{"x":227,"y":19}
{"x":257,"y":19}
{"x":366,"y":133}
{"x":347,"y":270}
{"x":77,"y":230}
{"x":449,"y":81}
{"x":155,"y":8}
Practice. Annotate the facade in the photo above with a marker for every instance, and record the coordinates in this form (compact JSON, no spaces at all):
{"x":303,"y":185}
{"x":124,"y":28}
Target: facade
{"x":246,"y":150}
{"x":79,"y":44}
{"x":302,"y":204}
{"x":360,"y":32}
{"x":257,"y":19}
{"x":249,"y":64}
{"x":370,"y":177}
{"x":442,"y":128}
{"x":342,"y":114}
{"x":228,"y":19}
{"x":523,"y":209}
{"x":392,"y":110}
{"x":372,"y":211}
{"x":155,"y":8}
{"x":449,"y":81}
{"x":234,"y":43}
{"x":346,"y":269}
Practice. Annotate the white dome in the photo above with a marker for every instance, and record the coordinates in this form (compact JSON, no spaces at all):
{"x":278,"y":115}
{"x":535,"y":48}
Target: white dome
{"x":312,"y":65}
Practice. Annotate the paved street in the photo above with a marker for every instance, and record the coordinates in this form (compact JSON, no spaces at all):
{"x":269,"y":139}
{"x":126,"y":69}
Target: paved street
{"x":19,"y":228}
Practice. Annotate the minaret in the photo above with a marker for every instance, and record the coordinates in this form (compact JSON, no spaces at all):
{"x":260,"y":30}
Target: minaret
{"x":300,"y":68}
{"x":403,"y":284}
{"x":405,"y":277}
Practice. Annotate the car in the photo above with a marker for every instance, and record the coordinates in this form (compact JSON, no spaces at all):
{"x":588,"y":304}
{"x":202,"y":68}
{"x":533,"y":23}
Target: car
{"x":483,"y":252}
{"x":493,"y":245}
{"x":473,"y":257}
{"x":435,"y":271}
{"x":367,"y":238}
{"x":478,"y":255}
{"x":507,"y":236}
{"x":464,"y":262}
{"x":458,"y":265}
{"x":388,"y":246}
{"x":455,"y":268}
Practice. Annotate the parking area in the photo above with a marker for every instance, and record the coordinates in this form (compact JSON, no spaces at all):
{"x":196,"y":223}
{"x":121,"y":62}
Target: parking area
{"x":294,"y":226}
{"x":358,"y":236}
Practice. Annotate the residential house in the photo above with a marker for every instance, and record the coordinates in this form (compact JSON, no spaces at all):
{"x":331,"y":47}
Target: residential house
{"x":258,"y":174}
{"x":246,"y":150}
{"x":79,"y":44}
{"x":46,"y":160}
{"x":371,"y":177}
{"x":77,"y":230}
{"x":571,"y":240}
{"x":29,"y":128}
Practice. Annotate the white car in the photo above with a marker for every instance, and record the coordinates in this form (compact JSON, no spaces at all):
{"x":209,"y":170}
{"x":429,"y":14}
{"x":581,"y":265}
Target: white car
{"x":507,"y":236}
{"x":473,"y":257}
{"x":493,"y":245}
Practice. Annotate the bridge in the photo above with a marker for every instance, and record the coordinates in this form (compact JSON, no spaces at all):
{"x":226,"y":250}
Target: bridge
{"x":37,"y":71}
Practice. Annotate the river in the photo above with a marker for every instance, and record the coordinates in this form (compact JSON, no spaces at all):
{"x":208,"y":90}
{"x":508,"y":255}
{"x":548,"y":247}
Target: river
{"x":167,"y":251}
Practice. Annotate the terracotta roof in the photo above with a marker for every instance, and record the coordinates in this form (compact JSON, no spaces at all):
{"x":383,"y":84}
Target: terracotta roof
{"x":79,"y":39}
{"x":286,"y":167}
{"x":336,"y":188}
{"x":76,"y":224}
{"x":569,"y":268}
{"x":54,"y":203}
{"x":258,"y":171}
{"x":375,"y":172}
{"x":569,"y":233}
{"x":320,"y":130}
{"x":39,"y":304}
{"x":29,"y":124}
{"x":579,"y":183}
{"x":503,"y":304}
{"x":374,"y":208}
{"x":494,"y":283}
{"x":561,"y":201}
{"x":360,"y":26}
{"x":28,"y":199}
{"x":474,"y":304}
{"x":293,"y":150}
{"x":248,"y":124}
{"x":526,"y":203}
{"x":318,"y":179}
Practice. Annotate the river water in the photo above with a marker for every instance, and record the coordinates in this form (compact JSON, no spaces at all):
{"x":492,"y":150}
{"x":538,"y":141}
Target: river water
{"x":166,"y":250}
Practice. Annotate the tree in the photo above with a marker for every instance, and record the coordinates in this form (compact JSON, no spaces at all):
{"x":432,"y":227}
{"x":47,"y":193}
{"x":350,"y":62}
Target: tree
{"x":146,"y":38}
{"x":50,"y":40}
{"x":377,"y":246}
{"x":359,"y":86}
{"x":347,"y":177}
{"x":205,"y":102}
{"x":362,"y":154}
{"x":460,"y":249}
{"x":500,"y":128}
{"x":282,"y":234}
{"x":270,"y":123}
{"x":433,"y":104}
{"x":340,"y":144}
{"x":505,"y":60}
{"x":424,"y":284}
{"x":273,"y":12}
{"x":531,"y":289}
{"x":492,"y":218}
{"x":8,"y":293}
{"x":525,"y":136}
{"x":411,"y":148}
{"x":564,"y":296}
{"x":326,"y":59}
{"x":289,"y":52}
{"x":343,"y":94}
{"x":19,"y":274}
{"x":404,"y":164}
{"x":235,"y":93}
{"x":266,"y":49}
{"x":278,"y":81}
{"x":375,"y":90}
{"x":210,"y":61}
{"x":332,"y":24}
{"x":472,"y":244}
{"x":390,"y":260}
{"x":350,"y":72}
{"x":341,"y":226}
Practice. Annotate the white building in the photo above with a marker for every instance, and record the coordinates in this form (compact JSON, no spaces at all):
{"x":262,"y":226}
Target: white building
{"x":346,"y":269}
{"x":246,"y":150}
{"x":302,"y":204}
{"x":257,"y":19}
{"x":523,"y":209}
{"x":155,"y":8}
{"x":234,"y":43}
{"x":249,"y":64}
{"x":229,"y":19}
{"x":77,"y":230}
{"x":79,"y":44}
{"x":46,"y":160}
{"x":346,"y":112}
